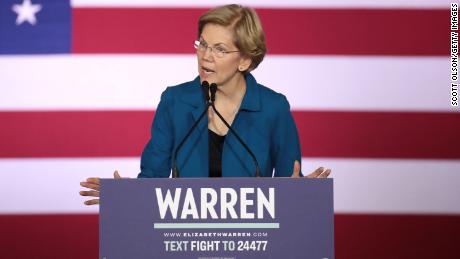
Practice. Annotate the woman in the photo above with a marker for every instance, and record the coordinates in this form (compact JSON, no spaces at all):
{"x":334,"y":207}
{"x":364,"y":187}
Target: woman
{"x":230,"y":44}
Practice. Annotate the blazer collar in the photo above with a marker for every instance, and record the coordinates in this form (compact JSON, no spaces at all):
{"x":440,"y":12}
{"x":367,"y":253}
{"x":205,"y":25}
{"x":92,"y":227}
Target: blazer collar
{"x":193,"y":94}
{"x":251,"y":99}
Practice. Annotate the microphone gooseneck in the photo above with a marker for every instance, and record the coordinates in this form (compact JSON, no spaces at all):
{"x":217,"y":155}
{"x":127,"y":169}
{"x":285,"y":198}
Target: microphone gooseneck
{"x":175,"y":170}
{"x":213,"y":89}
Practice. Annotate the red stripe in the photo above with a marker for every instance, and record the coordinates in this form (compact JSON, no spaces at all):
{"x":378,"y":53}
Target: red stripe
{"x":136,"y":30}
{"x":379,"y":134}
{"x":49,"y":236}
{"x":322,"y":134}
{"x":289,"y":31}
{"x":396,"y":236}
{"x":356,"y":236}
{"x":74,"y":134}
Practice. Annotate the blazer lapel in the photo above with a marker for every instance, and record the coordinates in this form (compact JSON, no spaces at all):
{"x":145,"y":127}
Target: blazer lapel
{"x":243,"y":123}
{"x":197,"y":145}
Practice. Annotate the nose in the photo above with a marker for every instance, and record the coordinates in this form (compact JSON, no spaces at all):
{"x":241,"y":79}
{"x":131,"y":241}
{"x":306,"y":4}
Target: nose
{"x":207,"y":55}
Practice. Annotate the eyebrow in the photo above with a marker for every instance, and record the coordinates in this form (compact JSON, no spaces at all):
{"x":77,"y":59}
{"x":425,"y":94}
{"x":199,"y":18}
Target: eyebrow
{"x":219,"y":43}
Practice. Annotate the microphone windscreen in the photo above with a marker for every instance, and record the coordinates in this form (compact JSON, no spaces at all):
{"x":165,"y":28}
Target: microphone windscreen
{"x":213,"y":89}
{"x":205,"y":86}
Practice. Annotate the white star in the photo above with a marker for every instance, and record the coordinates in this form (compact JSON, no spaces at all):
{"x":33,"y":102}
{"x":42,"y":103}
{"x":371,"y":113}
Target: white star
{"x":26,"y":12}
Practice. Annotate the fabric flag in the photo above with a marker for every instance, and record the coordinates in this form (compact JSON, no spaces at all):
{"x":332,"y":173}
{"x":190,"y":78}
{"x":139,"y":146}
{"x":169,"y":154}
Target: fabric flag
{"x":368,"y":83}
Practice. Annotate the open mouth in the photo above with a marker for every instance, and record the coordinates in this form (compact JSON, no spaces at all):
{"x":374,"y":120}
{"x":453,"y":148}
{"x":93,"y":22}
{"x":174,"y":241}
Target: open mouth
{"x":207,"y":70}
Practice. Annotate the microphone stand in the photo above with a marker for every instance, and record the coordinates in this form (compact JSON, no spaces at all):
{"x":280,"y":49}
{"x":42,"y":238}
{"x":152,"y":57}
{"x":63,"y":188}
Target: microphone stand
{"x":175,"y":170}
{"x":213,"y":98}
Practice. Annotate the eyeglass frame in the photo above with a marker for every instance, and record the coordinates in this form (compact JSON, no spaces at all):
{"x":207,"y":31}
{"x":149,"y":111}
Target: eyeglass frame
{"x":220,"y":53}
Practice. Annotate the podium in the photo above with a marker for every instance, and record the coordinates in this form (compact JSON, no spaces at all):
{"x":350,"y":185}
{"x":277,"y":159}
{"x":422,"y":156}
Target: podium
{"x":204,"y":218}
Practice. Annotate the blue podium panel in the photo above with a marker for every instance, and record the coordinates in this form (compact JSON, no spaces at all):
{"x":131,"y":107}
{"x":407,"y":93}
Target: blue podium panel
{"x":232,"y":218}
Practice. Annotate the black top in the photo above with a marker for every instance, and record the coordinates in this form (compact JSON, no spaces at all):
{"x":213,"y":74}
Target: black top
{"x":216,"y":144}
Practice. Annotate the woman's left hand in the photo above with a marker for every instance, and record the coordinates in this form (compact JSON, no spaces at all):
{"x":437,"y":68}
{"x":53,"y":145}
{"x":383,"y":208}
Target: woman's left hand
{"x":321,"y":172}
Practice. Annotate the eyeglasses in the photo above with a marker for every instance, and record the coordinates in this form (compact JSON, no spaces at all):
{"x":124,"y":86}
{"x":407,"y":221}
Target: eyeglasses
{"x":218,"y":51}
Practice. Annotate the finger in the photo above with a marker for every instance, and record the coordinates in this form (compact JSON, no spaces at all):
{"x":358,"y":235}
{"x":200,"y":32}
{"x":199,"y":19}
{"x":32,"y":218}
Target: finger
{"x":89,"y":193}
{"x":94,"y":180}
{"x":325,"y":174}
{"x":90,"y":185}
{"x":316,"y":173}
{"x":116,"y":175}
{"x":296,"y":169}
{"x":92,"y":202}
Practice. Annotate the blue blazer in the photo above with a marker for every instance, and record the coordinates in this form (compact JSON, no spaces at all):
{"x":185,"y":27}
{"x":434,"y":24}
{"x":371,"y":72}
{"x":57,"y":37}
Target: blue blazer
{"x":264,"y":122}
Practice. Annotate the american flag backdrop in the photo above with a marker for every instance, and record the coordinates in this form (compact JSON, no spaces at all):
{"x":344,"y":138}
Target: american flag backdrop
{"x":368,"y":83}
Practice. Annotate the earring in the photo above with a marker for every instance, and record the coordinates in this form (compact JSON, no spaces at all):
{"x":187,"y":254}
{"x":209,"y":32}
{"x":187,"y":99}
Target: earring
{"x":241,"y":68}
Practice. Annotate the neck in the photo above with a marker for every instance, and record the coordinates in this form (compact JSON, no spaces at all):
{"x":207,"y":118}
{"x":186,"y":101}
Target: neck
{"x":233,"y":90}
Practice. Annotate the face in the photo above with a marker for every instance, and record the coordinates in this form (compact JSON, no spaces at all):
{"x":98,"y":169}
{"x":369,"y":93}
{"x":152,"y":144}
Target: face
{"x":220,"y":70}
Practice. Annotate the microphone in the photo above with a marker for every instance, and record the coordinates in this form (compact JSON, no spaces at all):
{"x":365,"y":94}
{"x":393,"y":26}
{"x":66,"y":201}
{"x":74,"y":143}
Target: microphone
{"x":213,"y":89}
{"x":205,"y":85}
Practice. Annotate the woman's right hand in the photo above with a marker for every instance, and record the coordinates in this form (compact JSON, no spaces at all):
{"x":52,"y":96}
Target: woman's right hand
{"x":93,"y":184}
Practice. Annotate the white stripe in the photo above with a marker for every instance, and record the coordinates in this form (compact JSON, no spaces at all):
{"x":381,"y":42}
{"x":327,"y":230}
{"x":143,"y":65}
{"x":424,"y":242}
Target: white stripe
{"x":360,"y":185}
{"x":135,"y":82}
{"x":80,"y":82}
{"x":359,"y":83}
{"x":52,"y":185}
{"x":393,"y":186}
{"x":268,"y":3}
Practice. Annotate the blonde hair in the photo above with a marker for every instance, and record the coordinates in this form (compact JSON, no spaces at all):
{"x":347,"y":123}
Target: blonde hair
{"x":248,"y":36}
